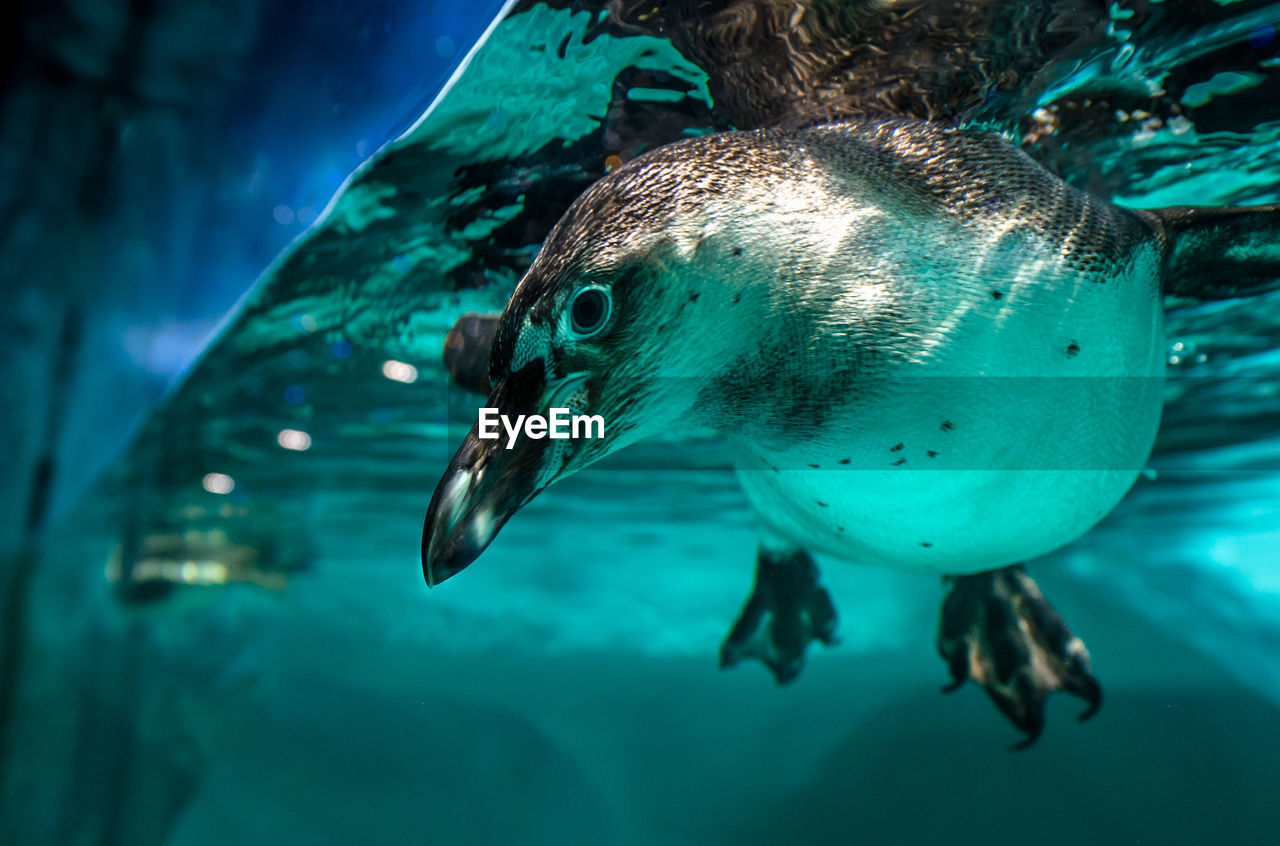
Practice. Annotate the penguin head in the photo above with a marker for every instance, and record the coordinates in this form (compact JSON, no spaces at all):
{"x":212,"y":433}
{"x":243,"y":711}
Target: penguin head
{"x":622,"y":318}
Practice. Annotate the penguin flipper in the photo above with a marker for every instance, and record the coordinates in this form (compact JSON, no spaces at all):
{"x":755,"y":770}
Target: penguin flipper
{"x":1221,"y":253}
{"x":466,"y":350}
{"x":997,"y":629}
{"x":786,"y":610}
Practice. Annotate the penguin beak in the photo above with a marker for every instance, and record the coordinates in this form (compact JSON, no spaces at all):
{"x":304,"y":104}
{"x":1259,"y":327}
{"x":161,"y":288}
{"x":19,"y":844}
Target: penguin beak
{"x":470,"y":504}
{"x":485,"y":484}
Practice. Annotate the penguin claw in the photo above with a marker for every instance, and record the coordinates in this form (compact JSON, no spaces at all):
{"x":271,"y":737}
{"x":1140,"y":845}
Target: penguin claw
{"x":997,"y":629}
{"x":786,"y":610}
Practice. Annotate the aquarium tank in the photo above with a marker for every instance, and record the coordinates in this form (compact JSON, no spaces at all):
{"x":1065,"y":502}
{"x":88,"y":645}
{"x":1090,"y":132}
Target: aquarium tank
{"x":264,"y":580}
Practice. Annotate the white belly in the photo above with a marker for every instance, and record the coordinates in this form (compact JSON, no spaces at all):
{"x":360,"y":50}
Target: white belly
{"x":1021,"y":425}
{"x":963,"y":521}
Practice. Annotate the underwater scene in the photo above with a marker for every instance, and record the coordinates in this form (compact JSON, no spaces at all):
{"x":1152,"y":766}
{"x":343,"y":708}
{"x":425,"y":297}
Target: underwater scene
{"x":641,"y":422}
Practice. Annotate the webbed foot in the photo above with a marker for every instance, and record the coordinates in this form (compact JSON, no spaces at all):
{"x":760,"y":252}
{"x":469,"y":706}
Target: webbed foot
{"x":787,"y":608}
{"x":997,"y":629}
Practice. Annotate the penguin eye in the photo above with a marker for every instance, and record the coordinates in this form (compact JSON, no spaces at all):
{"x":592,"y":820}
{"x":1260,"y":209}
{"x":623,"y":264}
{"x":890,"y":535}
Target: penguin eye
{"x":590,"y":311}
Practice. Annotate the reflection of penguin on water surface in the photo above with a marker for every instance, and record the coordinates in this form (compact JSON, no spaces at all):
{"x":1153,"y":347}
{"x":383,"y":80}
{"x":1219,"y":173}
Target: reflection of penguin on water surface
{"x":929,"y":352}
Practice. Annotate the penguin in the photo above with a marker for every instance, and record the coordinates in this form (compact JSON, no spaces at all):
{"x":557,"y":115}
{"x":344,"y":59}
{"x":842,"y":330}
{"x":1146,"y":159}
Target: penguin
{"x":927,"y":351}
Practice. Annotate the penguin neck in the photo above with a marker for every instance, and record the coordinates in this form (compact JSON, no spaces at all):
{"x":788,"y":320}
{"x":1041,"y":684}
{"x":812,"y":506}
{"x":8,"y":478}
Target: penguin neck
{"x":748,"y":289}
{"x":724,"y":326}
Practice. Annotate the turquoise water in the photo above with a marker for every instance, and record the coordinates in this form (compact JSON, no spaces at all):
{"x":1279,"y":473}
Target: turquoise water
{"x":278,"y":671}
